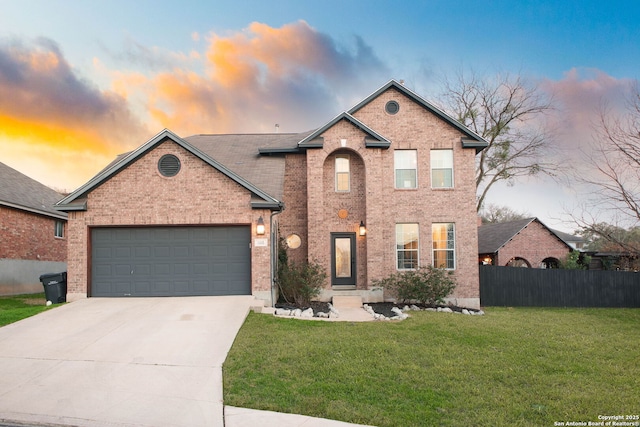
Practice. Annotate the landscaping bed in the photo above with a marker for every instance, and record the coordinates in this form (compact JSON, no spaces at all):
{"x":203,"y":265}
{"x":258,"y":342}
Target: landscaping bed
{"x":383,"y":308}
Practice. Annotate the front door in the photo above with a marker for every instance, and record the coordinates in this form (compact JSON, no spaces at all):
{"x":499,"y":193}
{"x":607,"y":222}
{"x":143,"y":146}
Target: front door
{"x":343,"y":259}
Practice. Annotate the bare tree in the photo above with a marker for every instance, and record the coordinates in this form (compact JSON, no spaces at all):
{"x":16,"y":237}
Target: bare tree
{"x":613,"y":175}
{"x":507,"y":112}
{"x":492,"y":214}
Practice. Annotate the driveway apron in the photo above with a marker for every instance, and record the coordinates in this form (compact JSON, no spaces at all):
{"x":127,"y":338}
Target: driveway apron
{"x":120,"y":362}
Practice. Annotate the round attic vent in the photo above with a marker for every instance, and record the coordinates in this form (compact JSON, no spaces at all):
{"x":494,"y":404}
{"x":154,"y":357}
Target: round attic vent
{"x":169,"y":165}
{"x":392,"y":107}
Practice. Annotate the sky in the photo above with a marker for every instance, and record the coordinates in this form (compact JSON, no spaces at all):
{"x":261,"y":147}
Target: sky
{"x":83,"y":81}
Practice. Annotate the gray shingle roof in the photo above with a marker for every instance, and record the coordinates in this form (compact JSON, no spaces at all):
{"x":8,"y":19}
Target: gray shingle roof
{"x":239,"y":153}
{"x":19,"y":191}
{"x":492,"y":237}
{"x":237,"y":156}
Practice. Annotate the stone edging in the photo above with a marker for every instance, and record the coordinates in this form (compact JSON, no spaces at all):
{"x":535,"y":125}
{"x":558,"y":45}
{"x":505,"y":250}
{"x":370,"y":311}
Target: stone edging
{"x":401,"y":313}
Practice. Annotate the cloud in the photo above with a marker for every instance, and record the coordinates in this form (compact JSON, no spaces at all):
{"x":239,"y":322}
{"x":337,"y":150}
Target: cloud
{"x":579,"y":96}
{"x":242,"y":81}
{"x":55,"y":126}
{"x":252,"y":79}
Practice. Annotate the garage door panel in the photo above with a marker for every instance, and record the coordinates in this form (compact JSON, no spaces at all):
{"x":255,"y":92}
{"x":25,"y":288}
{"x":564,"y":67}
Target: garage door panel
{"x":181,"y":269}
{"x":166,"y":261}
{"x":122,"y":270}
{"x":141,"y":287}
{"x":143,"y":252}
{"x":161,"y":270}
{"x":162,"y":252}
{"x":200,"y":268}
{"x":181,"y":252}
{"x":142,"y":269}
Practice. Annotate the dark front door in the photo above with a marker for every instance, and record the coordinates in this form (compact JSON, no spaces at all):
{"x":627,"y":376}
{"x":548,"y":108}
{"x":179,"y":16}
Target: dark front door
{"x":343,"y":259}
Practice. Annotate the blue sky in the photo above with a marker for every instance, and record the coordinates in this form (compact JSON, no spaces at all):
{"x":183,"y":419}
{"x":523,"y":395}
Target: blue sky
{"x":83,"y":81}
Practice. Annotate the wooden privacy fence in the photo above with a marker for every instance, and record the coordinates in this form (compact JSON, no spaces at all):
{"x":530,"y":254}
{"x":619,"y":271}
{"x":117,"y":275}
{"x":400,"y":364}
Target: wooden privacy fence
{"x":533,"y":287}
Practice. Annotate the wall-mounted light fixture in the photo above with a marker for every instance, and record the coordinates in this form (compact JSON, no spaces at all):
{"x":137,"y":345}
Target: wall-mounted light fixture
{"x":260,"y":226}
{"x":362,"y":229}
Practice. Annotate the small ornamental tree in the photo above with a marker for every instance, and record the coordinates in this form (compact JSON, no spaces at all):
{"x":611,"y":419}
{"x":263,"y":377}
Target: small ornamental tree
{"x":426,"y":285}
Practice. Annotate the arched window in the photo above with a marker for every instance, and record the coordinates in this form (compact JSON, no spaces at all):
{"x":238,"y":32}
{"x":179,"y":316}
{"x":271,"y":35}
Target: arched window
{"x":550,"y":263}
{"x":518,"y":262}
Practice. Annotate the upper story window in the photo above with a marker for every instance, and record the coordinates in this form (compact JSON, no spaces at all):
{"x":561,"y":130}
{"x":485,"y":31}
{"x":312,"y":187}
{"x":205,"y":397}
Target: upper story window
{"x":59,"y":229}
{"x":441,"y":168}
{"x":444,"y":245}
{"x":406,"y":167}
{"x":407,"y":246}
{"x":343,"y":172}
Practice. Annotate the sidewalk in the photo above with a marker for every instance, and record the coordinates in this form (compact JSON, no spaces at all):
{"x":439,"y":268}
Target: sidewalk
{"x":241,"y":417}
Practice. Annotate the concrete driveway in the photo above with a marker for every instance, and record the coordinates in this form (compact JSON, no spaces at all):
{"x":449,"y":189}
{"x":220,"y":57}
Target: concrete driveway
{"x":117,"y":362}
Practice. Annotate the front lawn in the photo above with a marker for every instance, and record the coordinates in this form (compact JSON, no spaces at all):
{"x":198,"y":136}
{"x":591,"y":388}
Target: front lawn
{"x":18,"y":307}
{"x":511,"y":367}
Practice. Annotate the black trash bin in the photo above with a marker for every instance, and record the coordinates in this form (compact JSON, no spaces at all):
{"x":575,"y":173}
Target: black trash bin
{"x":55,"y":286}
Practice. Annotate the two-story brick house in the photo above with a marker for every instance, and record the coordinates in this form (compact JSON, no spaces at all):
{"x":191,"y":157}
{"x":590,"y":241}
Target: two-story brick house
{"x":32,"y":233}
{"x":385,"y":186}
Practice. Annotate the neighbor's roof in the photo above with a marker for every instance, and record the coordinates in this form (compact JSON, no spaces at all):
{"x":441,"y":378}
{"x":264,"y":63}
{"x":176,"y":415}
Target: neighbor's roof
{"x":568,"y":237}
{"x":492,"y":237}
{"x":21,"y":192}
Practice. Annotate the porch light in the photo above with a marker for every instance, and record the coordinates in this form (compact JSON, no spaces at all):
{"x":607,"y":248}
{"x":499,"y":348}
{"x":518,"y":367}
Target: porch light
{"x":362,"y":229}
{"x":260,"y":226}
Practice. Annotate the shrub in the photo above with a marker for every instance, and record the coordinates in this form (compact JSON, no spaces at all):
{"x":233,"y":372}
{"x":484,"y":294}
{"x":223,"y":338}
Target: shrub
{"x":576,"y":260}
{"x":300,"y":283}
{"x":426,"y":285}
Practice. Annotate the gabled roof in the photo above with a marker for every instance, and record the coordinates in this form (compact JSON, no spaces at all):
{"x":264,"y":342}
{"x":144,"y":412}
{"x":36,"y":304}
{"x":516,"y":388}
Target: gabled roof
{"x":240,"y":154}
{"x":75,"y":201}
{"x":569,"y":238}
{"x":372,"y":140}
{"x":18,"y":191}
{"x":492,"y":237}
{"x":472,"y":140}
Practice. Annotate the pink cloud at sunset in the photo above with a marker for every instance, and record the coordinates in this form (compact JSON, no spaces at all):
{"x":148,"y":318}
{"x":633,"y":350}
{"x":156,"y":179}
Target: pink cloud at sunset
{"x":294,"y":76}
{"x":49,"y":115}
{"x":579,"y":97}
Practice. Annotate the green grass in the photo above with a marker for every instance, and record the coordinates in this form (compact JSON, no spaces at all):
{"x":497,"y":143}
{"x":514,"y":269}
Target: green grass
{"x":18,"y":307}
{"x":511,"y":367}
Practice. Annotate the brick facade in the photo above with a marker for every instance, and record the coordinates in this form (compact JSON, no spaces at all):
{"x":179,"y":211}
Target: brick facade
{"x":29,"y":236}
{"x":140,"y":196}
{"x":374,"y":199}
{"x":533,"y":244}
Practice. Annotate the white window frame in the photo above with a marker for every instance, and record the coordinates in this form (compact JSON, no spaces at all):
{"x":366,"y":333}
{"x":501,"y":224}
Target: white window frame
{"x":450,"y":245}
{"x":347,"y":172}
{"x":58,"y":229}
{"x":400,"y":164}
{"x":416,"y":250}
{"x":440,"y":163}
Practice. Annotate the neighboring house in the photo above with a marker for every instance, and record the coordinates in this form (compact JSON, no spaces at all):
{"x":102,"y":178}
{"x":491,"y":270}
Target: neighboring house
{"x":32,"y":233}
{"x":386,"y":186}
{"x":576,"y":242}
{"x":521,"y":243}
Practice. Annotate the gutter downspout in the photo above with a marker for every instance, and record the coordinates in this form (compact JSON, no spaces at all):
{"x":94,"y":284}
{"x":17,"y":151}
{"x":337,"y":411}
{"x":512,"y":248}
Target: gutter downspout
{"x":274,"y":252}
